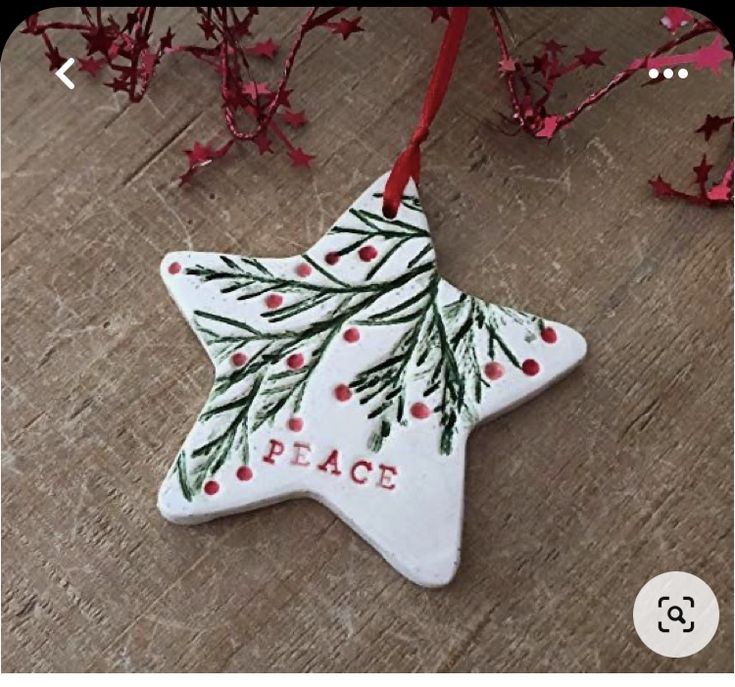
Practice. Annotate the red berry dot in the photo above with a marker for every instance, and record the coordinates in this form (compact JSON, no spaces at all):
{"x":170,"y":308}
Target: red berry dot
{"x":494,"y":371}
{"x":174,"y":268}
{"x":211,"y":487}
{"x":351,"y":335}
{"x":420,"y":411}
{"x":274,"y":300}
{"x":548,"y":335}
{"x":332,"y":258}
{"x":244,"y":473}
{"x":367,"y":253}
{"x":295,"y":424}
{"x":238,"y":359}
{"x":342,"y":392}
{"x":295,"y":361}
{"x":303,"y":270}
{"x":530,"y":367}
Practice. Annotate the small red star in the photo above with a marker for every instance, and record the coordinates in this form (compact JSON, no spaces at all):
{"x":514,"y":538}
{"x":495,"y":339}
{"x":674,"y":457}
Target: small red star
{"x":266,"y":49}
{"x":507,"y":65}
{"x":263,"y":143}
{"x":167,"y":40}
{"x":702,"y":171}
{"x":712,"y":124}
{"x":207,"y":27}
{"x":294,"y":119}
{"x":299,"y":158}
{"x":675,"y":18}
{"x":661,"y":188}
{"x":549,"y":127}
{"x":199,"y":154}
{"x":55,"y":59}
{"x":553,"y":48}
{"x":588,"y":57}
{"x":91,"y":65}
{"x":439,"y":13}
{"x":345,"y":27}
{"x":98,"y":40}
{"x":710,"y":56}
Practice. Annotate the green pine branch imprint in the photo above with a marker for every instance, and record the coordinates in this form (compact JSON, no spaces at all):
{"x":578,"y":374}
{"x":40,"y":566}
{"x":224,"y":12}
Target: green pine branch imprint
{"x":439,"y":345}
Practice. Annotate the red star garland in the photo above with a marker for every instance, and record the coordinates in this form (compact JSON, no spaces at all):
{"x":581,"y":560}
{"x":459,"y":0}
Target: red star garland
{"x":130,"y":52}
{"x":720,"y":193}
{"x":529,"y":98}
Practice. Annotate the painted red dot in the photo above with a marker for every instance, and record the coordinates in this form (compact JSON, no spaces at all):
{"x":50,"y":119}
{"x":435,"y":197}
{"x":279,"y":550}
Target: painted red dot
{"x":244,"y":473}
{"x":367,"y":253}
{"x":494,"y":371}
{"x":211,"y":487}
{"x":548,"y":335}
{"x":342,"y":392}
{"x":238,"y":359}
{"x":351,"y":335}
{"x":420,"y":411}
{"x":274,"y":300}
{"x":530,"y":367}
{"x":332,"y":258}
{"x":295,"y":361}
{"x":303,"y":269}
{"x":295,"y":424}
{"x":174,"y":268}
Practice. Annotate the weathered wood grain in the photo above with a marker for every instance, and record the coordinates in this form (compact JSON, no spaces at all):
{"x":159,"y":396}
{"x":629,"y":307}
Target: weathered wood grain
{"x":573,"y":501}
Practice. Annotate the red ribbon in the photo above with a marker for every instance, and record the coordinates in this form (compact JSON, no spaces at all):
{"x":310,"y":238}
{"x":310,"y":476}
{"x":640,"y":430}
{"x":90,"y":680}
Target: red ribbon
{"x":408,"y":164}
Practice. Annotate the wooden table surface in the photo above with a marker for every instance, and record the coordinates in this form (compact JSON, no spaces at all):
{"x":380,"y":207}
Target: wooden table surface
{"x":573,"y":501}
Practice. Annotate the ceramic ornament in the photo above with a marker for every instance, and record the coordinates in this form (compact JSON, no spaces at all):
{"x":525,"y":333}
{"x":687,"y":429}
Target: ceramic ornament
{"x":352,"y":374}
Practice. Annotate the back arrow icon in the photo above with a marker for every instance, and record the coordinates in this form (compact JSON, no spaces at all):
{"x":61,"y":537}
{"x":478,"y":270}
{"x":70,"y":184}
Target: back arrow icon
{"x":61,"y":73}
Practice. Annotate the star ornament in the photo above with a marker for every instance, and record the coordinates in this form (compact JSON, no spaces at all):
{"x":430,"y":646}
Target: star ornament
{"x":352,"y":374}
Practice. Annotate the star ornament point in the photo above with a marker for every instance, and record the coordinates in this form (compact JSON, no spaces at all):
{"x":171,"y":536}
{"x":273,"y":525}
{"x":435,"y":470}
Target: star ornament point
{"x":353,"y":374}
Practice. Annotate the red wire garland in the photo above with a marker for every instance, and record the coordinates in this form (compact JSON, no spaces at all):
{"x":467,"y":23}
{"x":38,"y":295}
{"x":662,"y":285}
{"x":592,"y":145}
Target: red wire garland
{"x":531,"y":115}
{"x":127,"y":50}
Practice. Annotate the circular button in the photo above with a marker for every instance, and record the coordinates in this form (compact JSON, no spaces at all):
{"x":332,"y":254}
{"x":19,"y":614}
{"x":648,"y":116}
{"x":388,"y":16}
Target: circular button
{"x":676,"y":614}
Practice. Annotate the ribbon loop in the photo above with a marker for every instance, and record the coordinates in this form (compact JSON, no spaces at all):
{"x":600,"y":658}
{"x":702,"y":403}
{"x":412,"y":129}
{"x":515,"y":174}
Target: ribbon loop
{"x":408,"y":164}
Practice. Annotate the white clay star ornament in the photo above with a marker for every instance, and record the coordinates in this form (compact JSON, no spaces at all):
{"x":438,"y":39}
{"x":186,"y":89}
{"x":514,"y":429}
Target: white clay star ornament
{"x":352,"y":374}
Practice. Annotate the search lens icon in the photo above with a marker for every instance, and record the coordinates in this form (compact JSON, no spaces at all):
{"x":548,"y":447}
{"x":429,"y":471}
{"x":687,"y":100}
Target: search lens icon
{"x":678,"y":616}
